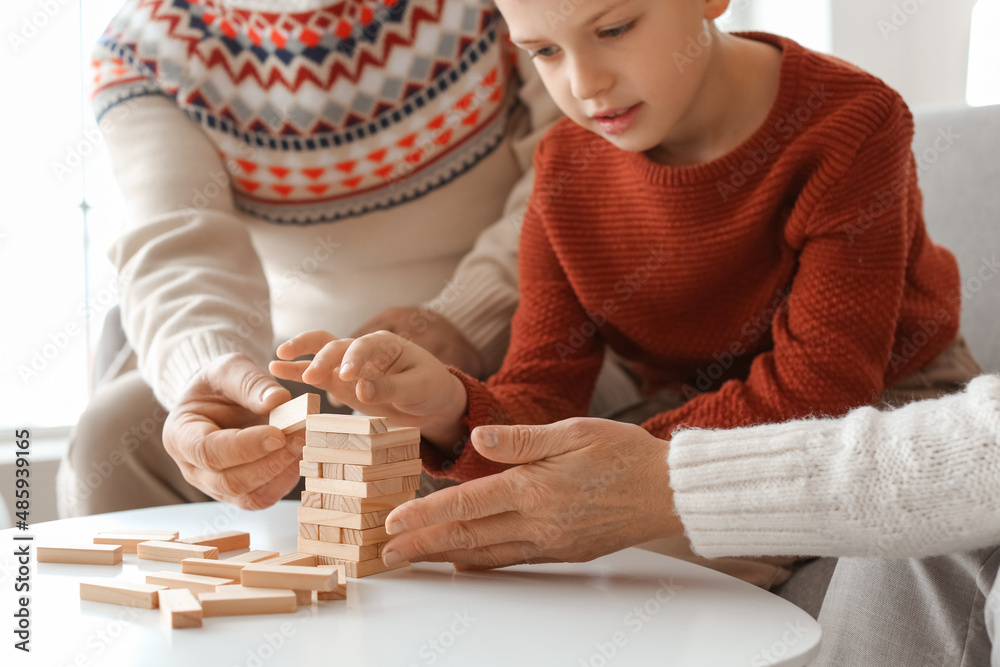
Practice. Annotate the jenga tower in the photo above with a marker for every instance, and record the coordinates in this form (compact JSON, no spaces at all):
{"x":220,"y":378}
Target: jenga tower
{"x":357,"y":470}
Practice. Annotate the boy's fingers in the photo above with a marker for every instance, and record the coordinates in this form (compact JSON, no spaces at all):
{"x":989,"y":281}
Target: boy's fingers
{"x":308,"y":342}
{"x":326,"y":361}
{"x":288,"y":370}
{"x":371,"y":355}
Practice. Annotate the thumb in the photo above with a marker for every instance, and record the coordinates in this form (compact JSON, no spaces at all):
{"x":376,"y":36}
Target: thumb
{"x":524,"y":444}
{"x":245,"y":383}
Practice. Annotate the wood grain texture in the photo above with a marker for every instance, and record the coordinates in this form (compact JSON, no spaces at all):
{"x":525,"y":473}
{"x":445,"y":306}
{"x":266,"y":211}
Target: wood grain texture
{"x":359,"y":569}
{"x":229,"y":540}
{"x":196,"y":583}
{"x":317,"y":578}
{"x":355,"y":424}
{"x":85,"y":554}
{"x":355,"y":504}
{"x":395,"y":437}
{"x":126,"y":593}
{"x":346,"y":552}
{"x":174,"y":552}
{"x":180,"y":609}
{"x":323,"y":454}
{"x":238,"y":600}
{"x":382,"y":487}
{"x":373,"y":473}
{"x":324,"y":517}
{"x":291,"y":416}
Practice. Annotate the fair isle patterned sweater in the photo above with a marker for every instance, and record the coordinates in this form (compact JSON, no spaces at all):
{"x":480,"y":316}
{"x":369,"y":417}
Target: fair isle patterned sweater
{"x":305,"y":164}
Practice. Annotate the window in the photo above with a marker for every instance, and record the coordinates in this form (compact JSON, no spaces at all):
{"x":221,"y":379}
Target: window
{"x":983,"y":84}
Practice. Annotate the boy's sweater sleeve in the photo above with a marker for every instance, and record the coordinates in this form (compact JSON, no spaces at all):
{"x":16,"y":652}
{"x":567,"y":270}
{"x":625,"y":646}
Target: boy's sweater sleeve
{"x":836,"y":341}
{"x":483,"y":294}
{"x":917,"y":481}
{"x":193,"y":286}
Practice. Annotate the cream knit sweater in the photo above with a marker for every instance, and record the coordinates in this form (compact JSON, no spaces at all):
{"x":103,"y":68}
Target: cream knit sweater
{"x":917,"y":481}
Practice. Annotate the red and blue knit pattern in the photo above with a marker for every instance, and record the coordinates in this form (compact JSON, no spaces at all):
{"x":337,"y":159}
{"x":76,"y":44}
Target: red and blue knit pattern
{"x":321,"y":114}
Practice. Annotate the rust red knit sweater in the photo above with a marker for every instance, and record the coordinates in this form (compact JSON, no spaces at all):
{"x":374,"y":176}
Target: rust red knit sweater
{"x":790,"y":277}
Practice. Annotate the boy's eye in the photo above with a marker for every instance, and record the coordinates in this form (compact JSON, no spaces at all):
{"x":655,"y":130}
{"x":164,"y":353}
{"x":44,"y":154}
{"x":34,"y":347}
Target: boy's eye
{"x":617,"y":32}
{"x":544,"y":52}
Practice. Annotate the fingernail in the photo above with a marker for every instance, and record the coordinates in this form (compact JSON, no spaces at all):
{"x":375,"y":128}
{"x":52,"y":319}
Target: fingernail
{"x":269,"y":393}
{"x":272,"y":443}
{"x":393,"y":526}
{"x":367,"y":390}
{"x":391,"y":558}
{"x":345,"y":367}
{"x":490,"y":438}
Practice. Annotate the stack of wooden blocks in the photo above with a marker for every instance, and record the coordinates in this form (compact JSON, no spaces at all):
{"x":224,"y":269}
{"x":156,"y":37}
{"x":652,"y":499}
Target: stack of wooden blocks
{"x":356,"y":471}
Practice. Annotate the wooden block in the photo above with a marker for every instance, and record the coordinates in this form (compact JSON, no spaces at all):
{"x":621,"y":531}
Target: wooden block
{"x":374,"y":473}
{"x":129,"y":594}
{"x":304,"y":598}
{"x":208,"y":567}
{"x":394,"y":437}
{"x":354,"y":504}
{"x":364,"y":457}
{"x":331,"y":470}
{"x":174,"y":552}
{"x":86,"y":554}
{"x":359,"y":569}
{"x":297,"y":558}
{"x":359,"y":424}
{"x":129,"y":539}
{"x":309,"y":469}
{"x":291,"y":416}
{"x":180,"y":608}
{"x":338,"y":592}
{"x":264,"y":575}
{"x":382,"y":487}
{"x":350,"y":536}
{"x":254,"y":556}
{"x":322,"y":517}
{"x":309,"y":530}
{"x":342,"y":551}
{"x":196,"y":583}
{"x":327,"y":534}
{"x":240,"y":600}
{"x":229,"y":540}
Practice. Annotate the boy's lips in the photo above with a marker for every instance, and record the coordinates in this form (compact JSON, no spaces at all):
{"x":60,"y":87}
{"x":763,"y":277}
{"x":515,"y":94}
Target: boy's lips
{"x":616,"y":121}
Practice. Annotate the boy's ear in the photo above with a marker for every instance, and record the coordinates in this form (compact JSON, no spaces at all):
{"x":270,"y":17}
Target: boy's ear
{"x":715,"y":8}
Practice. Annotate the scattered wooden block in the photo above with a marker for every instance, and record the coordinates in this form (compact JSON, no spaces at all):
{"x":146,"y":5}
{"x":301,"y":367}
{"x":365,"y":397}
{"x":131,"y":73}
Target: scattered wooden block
{"x":382,"y":487}
{"x":309,"y":530}
{"x":125,"y":593}
{"x":291,"y":416}
{"x":238,"y":600}
{"x":359,"y":569}
{"x":254,"y":556}
{"x":179,"y":608}
{"x":129,"y":539}
{"x":263,"y":575}
{"x":341,"y":551}
{"x":229,"y":540}
{"x":338,"y":592}
{"x":297,"y":558}
{"x":87,"y":554}
{"x":322,"y":517}
{"x":309,"y":468}
{"x":304,"y":598}
{"x":225,"y":569}
{"x":358,"y":424}
{"x":174,"y":552}
{"x":196,"y":583}
{"x":375,"y":473}
{"x":364,"y":457}
{"x":350,"y":536}
{"x":394,"y":437}
{"x":356,"y":505}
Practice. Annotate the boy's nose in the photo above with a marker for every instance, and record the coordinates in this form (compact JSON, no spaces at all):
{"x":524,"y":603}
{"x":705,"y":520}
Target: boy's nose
{"x":589,"y":78}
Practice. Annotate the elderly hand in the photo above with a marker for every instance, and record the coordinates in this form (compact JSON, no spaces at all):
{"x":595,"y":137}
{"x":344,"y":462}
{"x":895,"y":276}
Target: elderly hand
{"x":589,"y":487}
{"x":435,"y":333}
{"x":219,"y":437}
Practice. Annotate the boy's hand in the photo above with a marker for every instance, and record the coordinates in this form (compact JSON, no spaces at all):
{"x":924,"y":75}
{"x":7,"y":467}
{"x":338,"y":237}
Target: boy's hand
{"x":589,"y":487}
{"x":380,"y":374}
{"x":219,"y":436}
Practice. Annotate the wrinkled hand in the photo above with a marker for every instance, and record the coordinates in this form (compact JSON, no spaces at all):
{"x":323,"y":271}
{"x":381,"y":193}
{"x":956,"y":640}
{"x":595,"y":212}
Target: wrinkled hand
{"x":219,"y":437}
{"x":431,"y":331}
{"x":380,"y":374}
{"x":589,"y":487}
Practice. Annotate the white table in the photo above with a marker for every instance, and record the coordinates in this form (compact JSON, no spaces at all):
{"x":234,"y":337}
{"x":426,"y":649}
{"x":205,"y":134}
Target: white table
{"x":630,"y":608}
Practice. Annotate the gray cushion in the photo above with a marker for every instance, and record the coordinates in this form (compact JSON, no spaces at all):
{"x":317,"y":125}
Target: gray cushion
{"x":958,"y":154}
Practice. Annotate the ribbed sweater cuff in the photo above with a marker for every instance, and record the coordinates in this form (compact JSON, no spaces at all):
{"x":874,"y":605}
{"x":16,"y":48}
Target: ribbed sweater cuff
{"x":482,"y":310}
{"x":746,"y":498}
{"x":176,"y":368}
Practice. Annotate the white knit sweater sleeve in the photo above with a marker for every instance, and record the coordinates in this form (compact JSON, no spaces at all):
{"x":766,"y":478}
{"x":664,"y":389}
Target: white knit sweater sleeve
{"x":483,"y":293}
{"x":193,"y":287}
{"x":921,"y":480}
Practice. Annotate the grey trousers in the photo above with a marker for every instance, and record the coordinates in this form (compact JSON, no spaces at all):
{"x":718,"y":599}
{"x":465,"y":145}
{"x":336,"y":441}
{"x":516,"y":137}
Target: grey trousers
{"x":912,"y":612}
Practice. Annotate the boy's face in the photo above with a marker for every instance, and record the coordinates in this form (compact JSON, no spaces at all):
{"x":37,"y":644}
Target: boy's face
{"x":628,"y":70}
